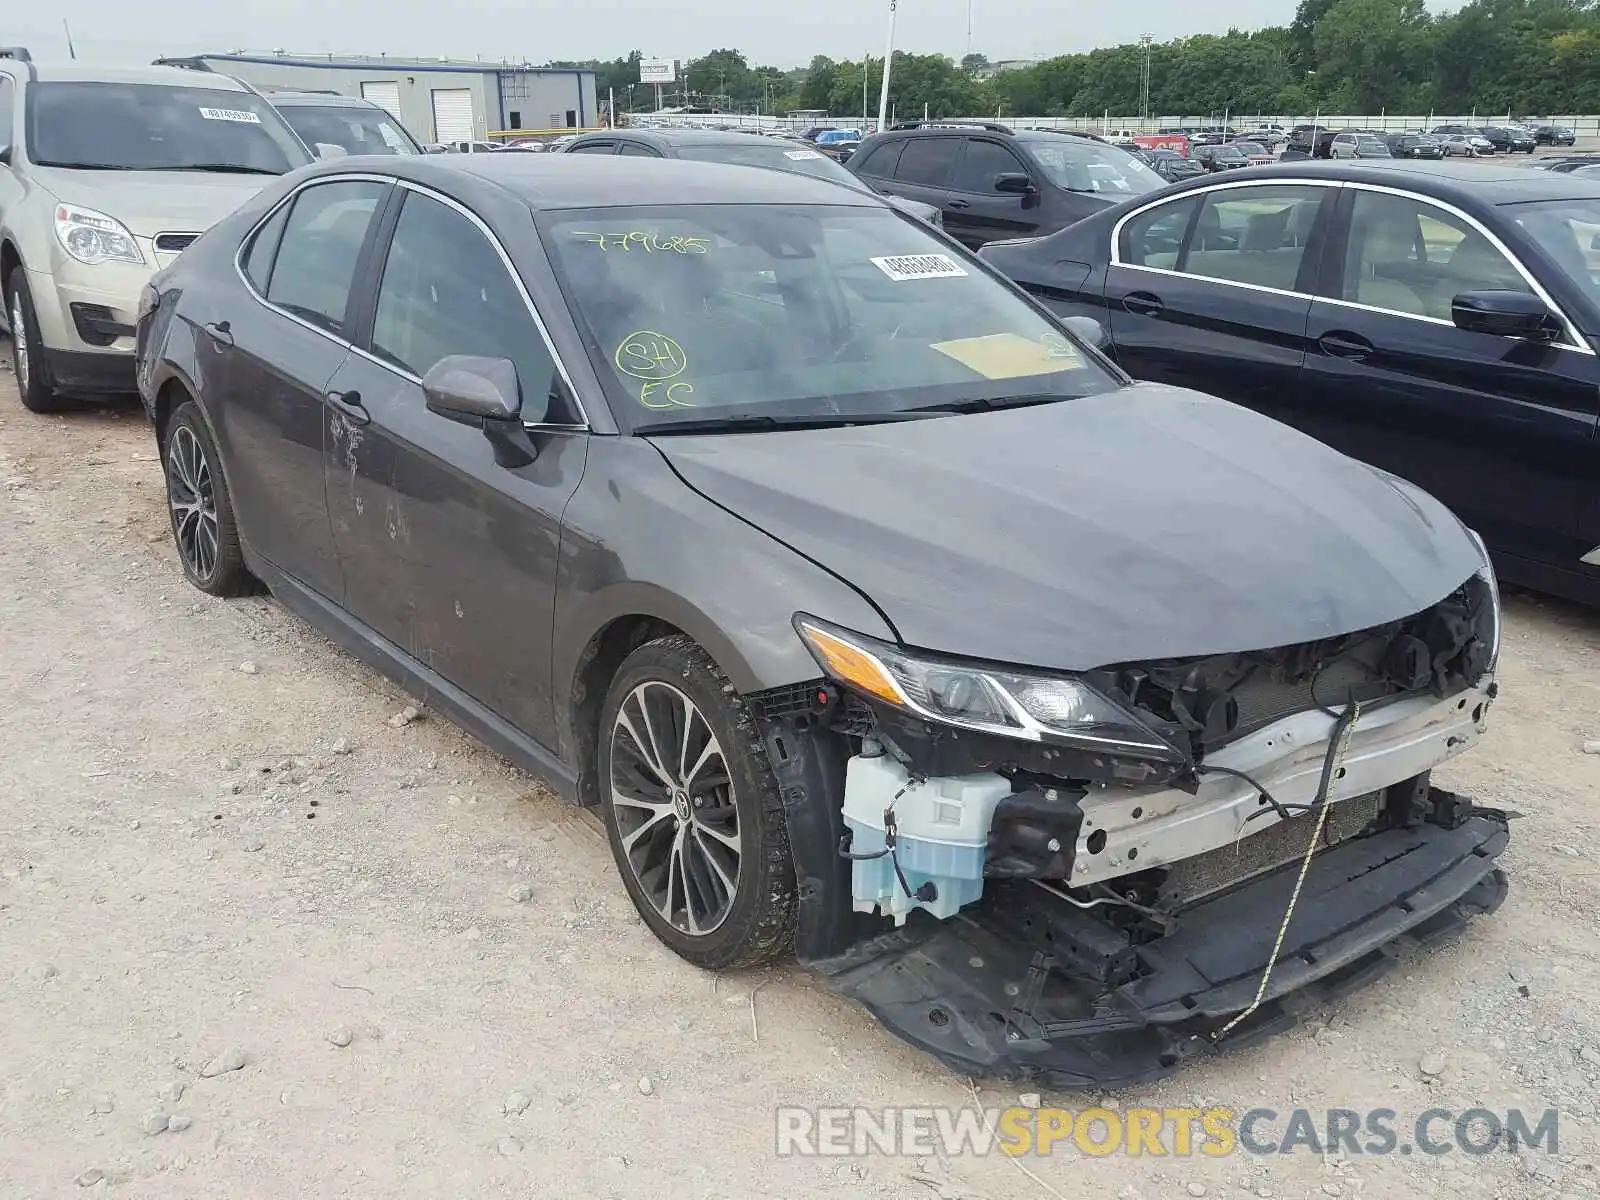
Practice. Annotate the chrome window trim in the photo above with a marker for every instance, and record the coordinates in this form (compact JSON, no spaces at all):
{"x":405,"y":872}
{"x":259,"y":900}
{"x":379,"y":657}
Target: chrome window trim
{"x":505,"y":259}
{"x":1574,"y":341}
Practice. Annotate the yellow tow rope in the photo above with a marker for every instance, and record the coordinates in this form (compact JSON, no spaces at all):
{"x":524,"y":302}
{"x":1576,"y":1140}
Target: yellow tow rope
{"x":1329,"y":775}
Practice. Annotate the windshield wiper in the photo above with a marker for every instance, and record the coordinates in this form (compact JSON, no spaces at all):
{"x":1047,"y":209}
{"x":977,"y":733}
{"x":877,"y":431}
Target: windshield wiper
{"x":768,"y":422}
{"x":988,"y":403}
{"x":224,"y":167}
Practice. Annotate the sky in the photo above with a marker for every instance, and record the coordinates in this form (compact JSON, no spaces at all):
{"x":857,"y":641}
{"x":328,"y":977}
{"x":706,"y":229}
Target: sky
{"x":541,"y":30}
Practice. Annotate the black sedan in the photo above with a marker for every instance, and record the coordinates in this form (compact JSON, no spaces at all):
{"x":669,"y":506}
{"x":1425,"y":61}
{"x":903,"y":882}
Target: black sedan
{"x":852,"y":588}
{"x":1169,"y":164}
{"x":1437,"y":320}
{"x":743,"y":149}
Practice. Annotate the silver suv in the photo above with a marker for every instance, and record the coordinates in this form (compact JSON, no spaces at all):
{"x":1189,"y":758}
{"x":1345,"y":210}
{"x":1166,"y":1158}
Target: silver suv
{"x":105,"y":176}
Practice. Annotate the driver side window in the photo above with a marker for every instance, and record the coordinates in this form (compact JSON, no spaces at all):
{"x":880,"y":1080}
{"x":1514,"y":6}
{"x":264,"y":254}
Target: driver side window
{"x":446,"y":290}
{"x":1405,"y":255}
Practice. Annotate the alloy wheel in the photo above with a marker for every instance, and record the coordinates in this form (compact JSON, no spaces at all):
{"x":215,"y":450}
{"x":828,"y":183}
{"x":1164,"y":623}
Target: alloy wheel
{"x":19,"y":342}
{"x":193,"y":502}
{"x":672,"y":795}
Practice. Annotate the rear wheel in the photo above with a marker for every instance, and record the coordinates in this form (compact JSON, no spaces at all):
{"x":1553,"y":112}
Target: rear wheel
{"x":693,"y":811}
{"x":200,"y":508}
{"x":27,"y":351}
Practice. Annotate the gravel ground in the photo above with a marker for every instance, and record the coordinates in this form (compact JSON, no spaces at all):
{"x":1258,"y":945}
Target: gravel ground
{"x":257,"y":939}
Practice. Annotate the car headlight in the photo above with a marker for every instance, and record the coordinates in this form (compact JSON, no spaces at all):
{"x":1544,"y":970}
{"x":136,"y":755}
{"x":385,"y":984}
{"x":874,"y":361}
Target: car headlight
{"x":988,"y":698}
{"x":93,"y":238}
{"x":1486,"y":573}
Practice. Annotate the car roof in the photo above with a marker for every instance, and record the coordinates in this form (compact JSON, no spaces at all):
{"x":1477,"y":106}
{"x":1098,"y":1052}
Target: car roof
{"x":679,"y":137}
{"x":70,"y":71}
{"x":546,"y":182}
{"x":1464,"y":183}
{"x":299,"y":99}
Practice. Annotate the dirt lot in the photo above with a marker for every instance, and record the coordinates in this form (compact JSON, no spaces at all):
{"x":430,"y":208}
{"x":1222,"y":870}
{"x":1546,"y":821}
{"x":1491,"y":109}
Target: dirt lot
{"x":214,"y":839}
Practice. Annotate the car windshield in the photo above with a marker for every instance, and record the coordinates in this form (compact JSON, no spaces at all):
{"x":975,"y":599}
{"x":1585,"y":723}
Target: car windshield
{"x":1569,"y":232}
{"x":1086,"y":166}
{"x":357,"y":128}
{"x":1227,"y":151}
{"x":157,"y":127}
{"x":741,"y":313}
{"x":776,"y":156}
{"x":1372,"y":145}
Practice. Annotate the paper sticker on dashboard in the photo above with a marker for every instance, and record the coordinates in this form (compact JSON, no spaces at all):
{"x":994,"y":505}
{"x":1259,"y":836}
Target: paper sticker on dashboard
{"x":799,"y":155}
{"x":1008,"y":356}
{"x":903,"y":268}
{"x":239,"y":115}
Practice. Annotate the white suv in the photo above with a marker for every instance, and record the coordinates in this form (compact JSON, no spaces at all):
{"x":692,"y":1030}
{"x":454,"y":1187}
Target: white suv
{"x":105,"y":176}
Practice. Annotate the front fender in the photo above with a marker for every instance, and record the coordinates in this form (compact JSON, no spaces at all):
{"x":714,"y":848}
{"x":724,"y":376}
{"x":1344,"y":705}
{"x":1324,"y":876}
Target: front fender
{"x":639,"y":542}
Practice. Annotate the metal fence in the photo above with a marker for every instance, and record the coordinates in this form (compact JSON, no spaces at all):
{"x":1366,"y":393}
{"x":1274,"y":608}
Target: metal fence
{"x":1583,"y":126}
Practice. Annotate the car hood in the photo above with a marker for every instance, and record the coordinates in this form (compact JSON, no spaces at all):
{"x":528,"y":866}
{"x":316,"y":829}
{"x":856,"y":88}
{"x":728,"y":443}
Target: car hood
{"x":152,"y":202}
{"x":1147,"y":523}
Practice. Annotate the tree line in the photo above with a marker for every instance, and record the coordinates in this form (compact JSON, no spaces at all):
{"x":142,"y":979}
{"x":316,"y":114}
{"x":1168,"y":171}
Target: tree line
{"x":1337,"y":56}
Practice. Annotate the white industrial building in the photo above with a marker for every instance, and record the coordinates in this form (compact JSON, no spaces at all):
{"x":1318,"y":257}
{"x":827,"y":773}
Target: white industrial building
{"x":438,"y":100}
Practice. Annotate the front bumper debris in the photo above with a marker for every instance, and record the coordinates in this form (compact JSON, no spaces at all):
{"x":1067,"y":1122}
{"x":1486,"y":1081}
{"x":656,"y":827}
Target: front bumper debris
{"x":995,"y":991}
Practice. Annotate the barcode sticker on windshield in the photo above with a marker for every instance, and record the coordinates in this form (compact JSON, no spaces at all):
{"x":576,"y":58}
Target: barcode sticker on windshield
{"x":904,"y":267}
{"x":230,"y":114}
{"x":798,"y":155}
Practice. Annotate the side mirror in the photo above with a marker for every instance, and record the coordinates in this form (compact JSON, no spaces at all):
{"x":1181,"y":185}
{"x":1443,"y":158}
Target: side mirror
{"x":1504,"y":314}
{"x":1088,"y":330}
{"x":329,"y":150}
{"x":1013,"y":183}
{"x":484,"y":392}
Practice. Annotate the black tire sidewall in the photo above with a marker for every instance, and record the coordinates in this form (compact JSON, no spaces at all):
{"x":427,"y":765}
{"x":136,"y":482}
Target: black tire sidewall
{"x":40,"y":396}
{"x":764,"y":896}
{"x":230,"y":577}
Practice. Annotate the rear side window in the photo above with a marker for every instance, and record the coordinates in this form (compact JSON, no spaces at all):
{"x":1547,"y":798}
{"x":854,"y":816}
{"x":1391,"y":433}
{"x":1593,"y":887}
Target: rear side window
{"x":927,"y":160}
{"x":1154,"y":238}
{"x":264,"y":248}
{"x":594,"y":148}
{"x":637,"y":151}
{"x":981,"y":161}
{"x":316,"y":261}
{"x":1253,"y":235}
{"x":881,"y":160}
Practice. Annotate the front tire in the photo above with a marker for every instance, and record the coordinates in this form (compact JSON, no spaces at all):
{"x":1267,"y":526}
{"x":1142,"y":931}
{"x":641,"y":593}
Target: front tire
{"x":200,"y":508}
{"x":27,"y":350}
{"x":693,"y":811}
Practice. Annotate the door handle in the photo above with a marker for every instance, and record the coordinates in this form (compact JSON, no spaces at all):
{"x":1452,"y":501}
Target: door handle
{"x":1143,"y":304}
{"x":1341,"y":344}
{"x":219,"y":332}
{"x":349,"y":403}
{"x":958,"y":204}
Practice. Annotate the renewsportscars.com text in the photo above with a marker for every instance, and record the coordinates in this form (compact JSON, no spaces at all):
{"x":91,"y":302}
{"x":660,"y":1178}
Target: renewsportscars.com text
{"x":1160,"y":1132}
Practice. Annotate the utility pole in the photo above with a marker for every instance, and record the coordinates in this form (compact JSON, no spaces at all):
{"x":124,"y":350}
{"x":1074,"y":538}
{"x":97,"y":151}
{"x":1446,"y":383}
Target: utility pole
{"x":1144,"y":106}
{"x":888,"y":61}
{"x":969,"y":28}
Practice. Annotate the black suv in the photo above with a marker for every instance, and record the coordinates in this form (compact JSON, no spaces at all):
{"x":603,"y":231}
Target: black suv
{"x":1554,"y":135}
{"x":1309,"y":141}
{"x":994,"y":182}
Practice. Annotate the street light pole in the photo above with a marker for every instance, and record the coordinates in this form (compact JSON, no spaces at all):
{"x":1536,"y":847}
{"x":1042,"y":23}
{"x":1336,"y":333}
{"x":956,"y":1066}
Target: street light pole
{"x":888,"y":61}
{"x":1144,"y":107}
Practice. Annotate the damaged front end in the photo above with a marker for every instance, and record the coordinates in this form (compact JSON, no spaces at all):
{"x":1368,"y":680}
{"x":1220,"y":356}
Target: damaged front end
{"x":1085,"y":879}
